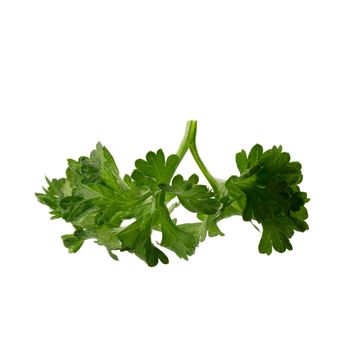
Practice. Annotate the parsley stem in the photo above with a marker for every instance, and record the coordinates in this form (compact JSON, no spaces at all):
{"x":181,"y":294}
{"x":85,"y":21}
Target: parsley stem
{"x":203,"y":168}
{"x":189,"y":143}
{"x":186,"y":139}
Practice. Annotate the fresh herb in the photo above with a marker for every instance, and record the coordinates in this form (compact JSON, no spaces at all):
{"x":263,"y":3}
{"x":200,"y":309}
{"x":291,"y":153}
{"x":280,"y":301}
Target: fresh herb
{"x":97,"y":201}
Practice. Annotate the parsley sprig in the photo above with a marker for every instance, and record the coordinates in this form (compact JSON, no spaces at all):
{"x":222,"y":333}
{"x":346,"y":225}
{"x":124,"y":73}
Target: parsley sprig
{"x":100,"y":203}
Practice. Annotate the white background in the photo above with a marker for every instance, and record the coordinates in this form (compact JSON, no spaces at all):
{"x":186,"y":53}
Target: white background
{"x":129,"y":74}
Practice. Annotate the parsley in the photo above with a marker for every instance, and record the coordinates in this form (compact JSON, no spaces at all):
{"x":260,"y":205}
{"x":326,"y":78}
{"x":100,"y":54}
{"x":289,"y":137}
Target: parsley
{"x":97,"y":201}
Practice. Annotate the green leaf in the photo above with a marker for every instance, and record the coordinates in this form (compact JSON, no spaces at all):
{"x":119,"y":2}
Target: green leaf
{"x":195,"y":198}
{"x":72,"y":243}
{"x":214,"y":230}
{"x":155,"y":170}
{"x":299,"y":218}
{"x":174,"y":238}
{"x":237,"y":196}
{"x":276,"y":235}
{"x":85,"y":203}
{"x":136,"y":238}
{"x":112,"y":255}
{"x":254,"y":156}
{"x":268,"y":192}
{"x":99,"y":168}
{"x":242,"y":161}
{"x":196,"y":229}
{"x":57,"y":189}
{"x":106,"y":236}
{"x":268,"y":186}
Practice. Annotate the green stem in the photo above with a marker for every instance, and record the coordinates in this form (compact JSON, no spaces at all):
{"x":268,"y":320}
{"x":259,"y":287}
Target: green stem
{"x":190,"y":126}
{"x":189,"y":142}
{"x":200,"y":163}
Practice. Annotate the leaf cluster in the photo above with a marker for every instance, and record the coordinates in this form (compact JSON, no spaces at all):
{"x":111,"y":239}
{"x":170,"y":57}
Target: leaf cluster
{"x":120,"y":213}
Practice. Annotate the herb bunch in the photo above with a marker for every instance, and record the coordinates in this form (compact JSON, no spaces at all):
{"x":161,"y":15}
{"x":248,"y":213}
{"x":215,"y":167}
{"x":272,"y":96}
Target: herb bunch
{"x":96,"y":200}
